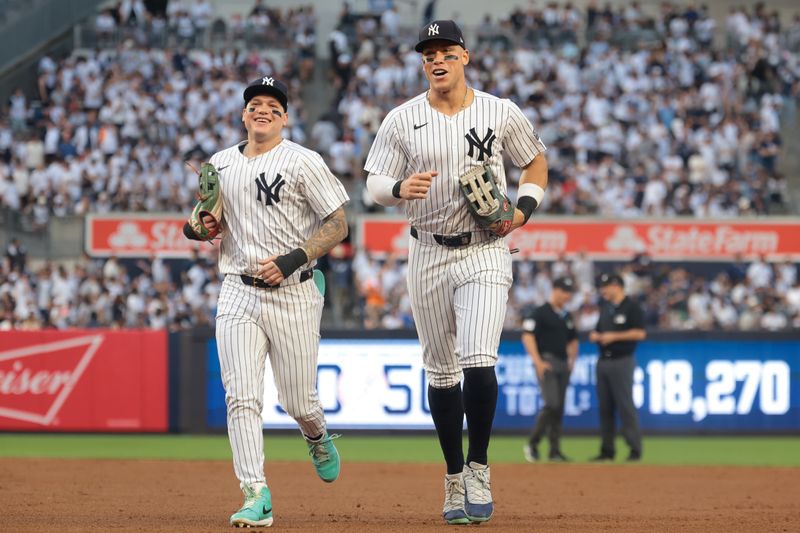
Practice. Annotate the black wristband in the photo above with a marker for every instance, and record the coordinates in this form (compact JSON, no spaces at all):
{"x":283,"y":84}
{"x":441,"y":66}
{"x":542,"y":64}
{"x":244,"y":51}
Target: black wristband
{"x":292,"y":261}
{"x":527,"y":204}
{"x":189,"y":233}
{"x":396,"y":190}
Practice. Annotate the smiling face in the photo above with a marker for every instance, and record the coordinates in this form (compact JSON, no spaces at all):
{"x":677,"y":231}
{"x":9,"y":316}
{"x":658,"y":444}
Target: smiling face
{"x":443,"y":63}
{"x":264,"y":118}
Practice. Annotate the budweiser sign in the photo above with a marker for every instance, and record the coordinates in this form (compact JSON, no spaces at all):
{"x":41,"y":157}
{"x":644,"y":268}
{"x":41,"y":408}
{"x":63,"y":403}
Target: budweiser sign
{"x":549,"y":237}
{"x":140,"y":235}
{"x":92,"y":380}
{"x":36,"y":380}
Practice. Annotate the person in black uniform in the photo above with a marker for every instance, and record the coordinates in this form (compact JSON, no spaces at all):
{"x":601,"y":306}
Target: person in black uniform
{"x":619,"y":328}
{"x":549,"y":337}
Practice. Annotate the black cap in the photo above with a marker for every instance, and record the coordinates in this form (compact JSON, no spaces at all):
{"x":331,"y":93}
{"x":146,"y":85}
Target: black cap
{"x":440,"y":30}
{"x":610,"y":279}
{"x":269,"y":86}
{"x":565,"y":284}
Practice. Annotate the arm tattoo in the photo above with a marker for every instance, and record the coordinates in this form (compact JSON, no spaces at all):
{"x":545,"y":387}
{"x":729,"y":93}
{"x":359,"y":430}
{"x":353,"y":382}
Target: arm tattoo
{"x":333,"y":230}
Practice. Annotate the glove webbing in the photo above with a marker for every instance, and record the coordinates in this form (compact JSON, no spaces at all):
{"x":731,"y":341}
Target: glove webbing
{"x":481,"y":192}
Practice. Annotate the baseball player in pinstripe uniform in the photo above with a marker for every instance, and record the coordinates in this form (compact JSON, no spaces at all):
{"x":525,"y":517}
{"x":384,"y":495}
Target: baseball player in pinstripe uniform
{"x":282,"y":210}
{"x":458,"y":275}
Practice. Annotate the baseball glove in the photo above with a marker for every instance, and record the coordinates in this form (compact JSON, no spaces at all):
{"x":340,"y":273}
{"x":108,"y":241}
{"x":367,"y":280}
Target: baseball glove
{"x":490,"y":208}
{"x":209,"y":203}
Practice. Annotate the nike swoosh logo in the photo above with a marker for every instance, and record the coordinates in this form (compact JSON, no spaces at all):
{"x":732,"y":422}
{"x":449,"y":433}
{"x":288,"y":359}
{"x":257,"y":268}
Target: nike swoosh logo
{"x":222,"y":168}
{"x":267,"y":511}
{"x":420,"y":126}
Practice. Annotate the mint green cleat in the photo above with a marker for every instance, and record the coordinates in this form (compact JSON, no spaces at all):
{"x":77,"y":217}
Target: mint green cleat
{"x":325,"y":457}
{"x":256,"y":511}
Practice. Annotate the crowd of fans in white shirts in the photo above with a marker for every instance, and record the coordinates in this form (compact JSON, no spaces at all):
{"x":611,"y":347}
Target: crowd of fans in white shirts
{"x":160,"y":294}
{"x":741,"y":296}
{"x":669,"y":126}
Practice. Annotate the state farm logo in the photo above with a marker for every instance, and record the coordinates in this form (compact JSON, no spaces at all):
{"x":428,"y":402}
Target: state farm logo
{"x":128,"y":235}
{"x":35,"y":381}
{"x":625,"y":239}
{"x":693,"y":240}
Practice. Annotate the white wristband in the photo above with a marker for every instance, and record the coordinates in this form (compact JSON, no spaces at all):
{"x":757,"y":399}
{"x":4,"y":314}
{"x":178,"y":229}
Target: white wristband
{"x":380,"y":188}
{"x":533,"y":190}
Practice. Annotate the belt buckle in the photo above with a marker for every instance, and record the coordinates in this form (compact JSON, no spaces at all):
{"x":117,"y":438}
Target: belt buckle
{"x":456,"y":241}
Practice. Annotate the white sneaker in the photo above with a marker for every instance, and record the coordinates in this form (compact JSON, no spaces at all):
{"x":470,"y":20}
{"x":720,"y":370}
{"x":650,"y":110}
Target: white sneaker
{"x":453,"y":511}
{"x":478,"y":492}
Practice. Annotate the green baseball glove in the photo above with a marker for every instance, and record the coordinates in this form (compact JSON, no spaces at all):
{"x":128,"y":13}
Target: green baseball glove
{"x":209,"y":204}
{"x":490,"y":208}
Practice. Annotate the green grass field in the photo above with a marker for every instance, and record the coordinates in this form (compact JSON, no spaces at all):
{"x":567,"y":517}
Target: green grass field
{"x":735,"y":451}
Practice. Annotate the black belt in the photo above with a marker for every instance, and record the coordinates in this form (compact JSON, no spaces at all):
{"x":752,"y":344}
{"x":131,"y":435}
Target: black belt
{"x":259,"y":283}
{"x":452,"y":241}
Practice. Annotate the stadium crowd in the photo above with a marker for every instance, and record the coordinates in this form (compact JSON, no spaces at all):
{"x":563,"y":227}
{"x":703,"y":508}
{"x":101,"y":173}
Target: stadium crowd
{"x":647,"y":118}
{"x":111,"y":128}
{"x":643,"y":116}
{"x":156,"y":293}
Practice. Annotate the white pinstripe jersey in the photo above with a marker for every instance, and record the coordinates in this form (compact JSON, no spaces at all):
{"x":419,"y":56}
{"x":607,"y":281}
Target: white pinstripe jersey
{"x":272,"y":203}
{"x":414,"y":137}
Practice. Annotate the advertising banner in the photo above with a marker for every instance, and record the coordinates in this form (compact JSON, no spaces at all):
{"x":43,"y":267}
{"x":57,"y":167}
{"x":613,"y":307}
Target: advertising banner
{"x":86,"y":380}
{"x":140,"y":235}
{"x":681,"y":386}
{"x":602,"y":239}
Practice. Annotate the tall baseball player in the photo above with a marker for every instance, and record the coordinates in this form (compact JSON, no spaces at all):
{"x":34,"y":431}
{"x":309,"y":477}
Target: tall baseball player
{"x":282,"y":209}
{"x":459,"y":273}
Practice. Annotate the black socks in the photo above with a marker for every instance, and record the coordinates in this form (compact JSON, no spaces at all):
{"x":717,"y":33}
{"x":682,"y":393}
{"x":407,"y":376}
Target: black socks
{"x":447,"y":411}
{"x":480,"y":401}
{"x":448,"y":406}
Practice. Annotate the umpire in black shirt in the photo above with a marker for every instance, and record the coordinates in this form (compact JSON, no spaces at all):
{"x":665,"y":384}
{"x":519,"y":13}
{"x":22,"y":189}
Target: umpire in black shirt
{"x":549,"y":337}
{"x":620,"y":326}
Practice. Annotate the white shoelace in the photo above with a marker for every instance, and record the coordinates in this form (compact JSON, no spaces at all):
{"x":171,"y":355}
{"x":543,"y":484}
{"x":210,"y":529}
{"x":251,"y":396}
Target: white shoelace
{"x":478,"y":485}
{"x":454,"y":494}
{"x":319,"y":452}
{"x":250,"y":497}
{"x":317,"y":449}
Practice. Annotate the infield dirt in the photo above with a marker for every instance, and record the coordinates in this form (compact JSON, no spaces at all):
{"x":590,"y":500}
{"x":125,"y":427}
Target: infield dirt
{"x":153,"y":496}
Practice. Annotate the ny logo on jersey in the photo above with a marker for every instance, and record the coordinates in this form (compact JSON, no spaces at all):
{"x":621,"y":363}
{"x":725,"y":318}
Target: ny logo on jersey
{"x":484,"y":146}
{"x":271,"y":191}
{"x":433,"y":29}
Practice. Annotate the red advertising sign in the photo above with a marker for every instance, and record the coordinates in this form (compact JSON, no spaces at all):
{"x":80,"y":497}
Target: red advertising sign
{"x":140,"y":235}
{"x":547,"y":238}
{"x":85,"y":380}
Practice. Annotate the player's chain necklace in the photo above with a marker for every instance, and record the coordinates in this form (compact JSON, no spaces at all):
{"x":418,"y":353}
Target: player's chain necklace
{"x":463,"y":102}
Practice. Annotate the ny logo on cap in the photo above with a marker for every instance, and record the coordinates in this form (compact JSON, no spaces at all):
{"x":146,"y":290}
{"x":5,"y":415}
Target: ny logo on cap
{"x":433,"y":29}
{"x":267,"y":81}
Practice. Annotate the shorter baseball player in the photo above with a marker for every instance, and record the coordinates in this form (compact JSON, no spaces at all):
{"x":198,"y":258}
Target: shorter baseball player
{"x":282,"y":209}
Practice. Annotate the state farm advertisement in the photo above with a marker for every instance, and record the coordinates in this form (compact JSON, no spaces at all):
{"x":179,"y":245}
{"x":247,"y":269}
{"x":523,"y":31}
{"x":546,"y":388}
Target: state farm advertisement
{"x":140,"y":235}
{"x":602,"y":239}
{"x":83,"y":380}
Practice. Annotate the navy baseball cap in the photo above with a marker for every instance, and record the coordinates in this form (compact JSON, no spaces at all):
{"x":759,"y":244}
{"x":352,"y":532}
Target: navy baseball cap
{"x":268,"y":86}
{"x":565,"y":284}
{"x":440,"y":30}
{"x":610,"y":279}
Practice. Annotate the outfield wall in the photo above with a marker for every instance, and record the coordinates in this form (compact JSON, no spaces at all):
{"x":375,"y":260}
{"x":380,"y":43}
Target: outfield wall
{"x":134,"y":381}
{"x":683,"y":384}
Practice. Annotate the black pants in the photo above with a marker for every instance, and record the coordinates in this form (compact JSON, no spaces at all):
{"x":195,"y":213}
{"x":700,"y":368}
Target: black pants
{"x":554,"y":389}
{"x":615,"y":394}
